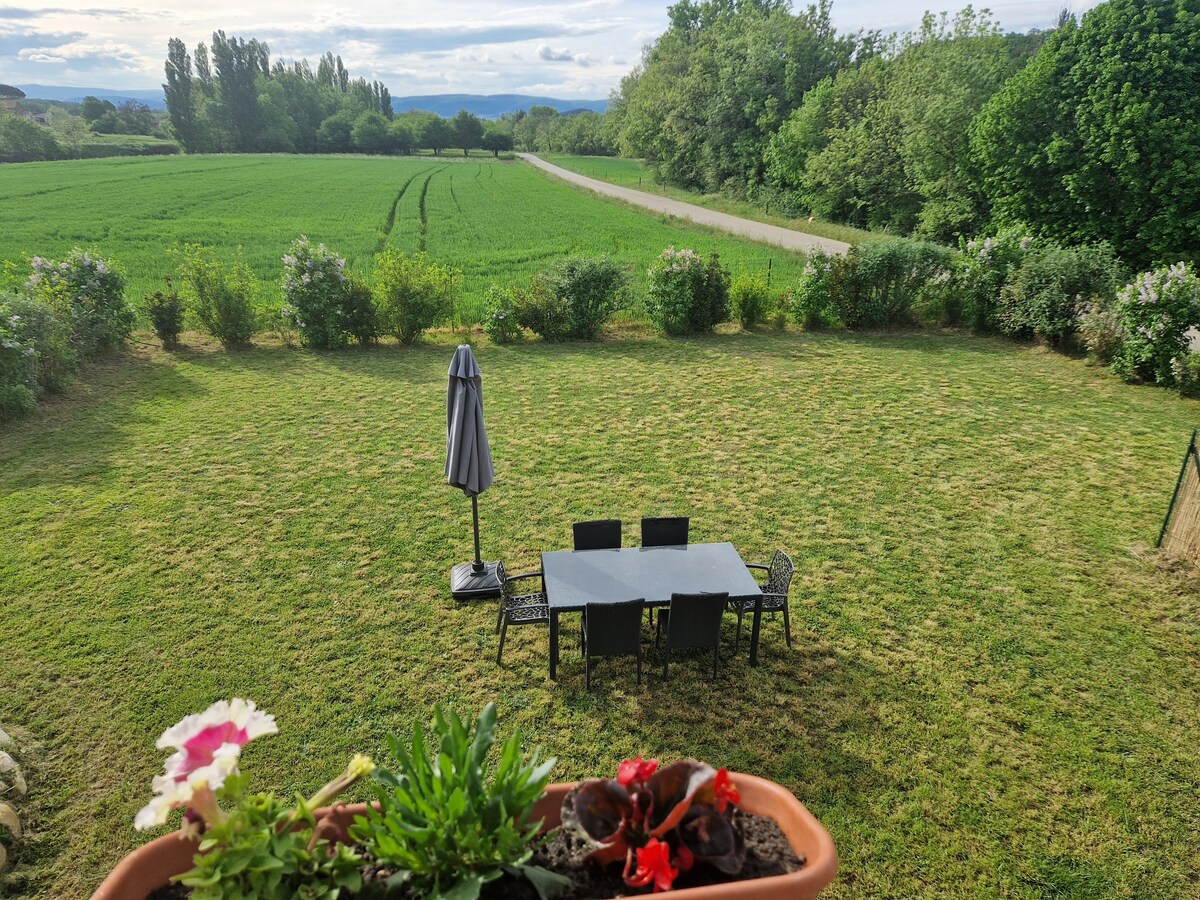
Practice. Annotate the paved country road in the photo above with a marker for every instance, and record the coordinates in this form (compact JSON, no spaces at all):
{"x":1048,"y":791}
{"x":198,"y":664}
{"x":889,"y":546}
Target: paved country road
{"x":758,"y":231}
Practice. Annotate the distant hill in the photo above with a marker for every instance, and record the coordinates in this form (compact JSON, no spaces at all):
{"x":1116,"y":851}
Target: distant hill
{"x":486,"y":106}
{"x":490,"y":106}
{"x":153,"y":98}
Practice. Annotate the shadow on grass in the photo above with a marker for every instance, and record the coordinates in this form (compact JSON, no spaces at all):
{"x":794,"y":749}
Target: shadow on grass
{"x":72,"y":436}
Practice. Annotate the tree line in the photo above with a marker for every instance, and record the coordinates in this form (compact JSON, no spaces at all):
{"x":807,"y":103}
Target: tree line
{"x":1086,"y":131}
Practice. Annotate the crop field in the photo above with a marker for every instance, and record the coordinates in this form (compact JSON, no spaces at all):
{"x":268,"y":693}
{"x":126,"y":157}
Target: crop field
{"x":633,"y":173}
{"x":497,"y":221}
{"x":992,"y":690}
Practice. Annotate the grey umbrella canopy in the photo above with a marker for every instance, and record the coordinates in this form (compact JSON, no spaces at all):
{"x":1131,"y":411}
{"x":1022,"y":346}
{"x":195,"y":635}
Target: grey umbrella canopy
{"x":469,"y":465}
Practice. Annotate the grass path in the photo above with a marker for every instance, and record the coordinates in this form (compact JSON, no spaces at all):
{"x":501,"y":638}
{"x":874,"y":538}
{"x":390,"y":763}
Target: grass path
{"x":992,"y":692}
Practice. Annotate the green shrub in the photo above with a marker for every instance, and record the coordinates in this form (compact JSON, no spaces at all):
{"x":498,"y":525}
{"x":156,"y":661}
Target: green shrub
{"x":1044,"y":295}
{"x":412,"y":293}
{"x":48,"y":330}
{"x":362,"y":323}
{"x":588,"y":290}
{"x":685,"y":293}
{"x":538,"y":310}
{"x":18,"y":370}
{"x":983,"y":268}
{"x":1100,"y":331}
{"x":451,"y":824}
{"x":315,"y":295}
{"x":1186,"y":370}
{"x":877,"y":284}
{"x":165,"y":311}
{"x":811,"y":301}
{"x":750,"y":300}
{"x":1156,"y":310}
{"x":222,"y":301}
{"x":500,"y":319}
{"x":781,"y":310}
{"x":92,"y":289}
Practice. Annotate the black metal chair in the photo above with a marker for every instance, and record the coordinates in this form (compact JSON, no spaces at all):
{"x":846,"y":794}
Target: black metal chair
{"x":603,"y":534}
{"x":664,"y":532}
{"x":518,"y":609}
{"x":612,"y":629}
{"x":775,"y":594}
{"x":692,"y":620}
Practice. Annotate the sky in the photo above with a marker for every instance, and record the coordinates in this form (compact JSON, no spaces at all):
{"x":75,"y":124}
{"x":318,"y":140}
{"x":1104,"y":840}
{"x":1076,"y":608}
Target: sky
{"x":577,"y":49}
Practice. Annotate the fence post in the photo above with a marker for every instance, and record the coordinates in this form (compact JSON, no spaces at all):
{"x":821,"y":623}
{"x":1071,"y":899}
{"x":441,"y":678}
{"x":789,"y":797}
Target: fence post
{"x":769,"y":261}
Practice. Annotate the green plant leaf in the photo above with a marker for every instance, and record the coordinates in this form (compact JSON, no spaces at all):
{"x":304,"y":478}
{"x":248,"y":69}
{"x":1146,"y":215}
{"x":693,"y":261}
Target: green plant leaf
{"x":548,"y":884}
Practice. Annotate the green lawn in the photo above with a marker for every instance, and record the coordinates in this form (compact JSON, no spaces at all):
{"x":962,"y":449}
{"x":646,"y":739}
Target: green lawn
{"x":497,"y":221}
{"x":993,"y":689}
{"x":634,"y":173}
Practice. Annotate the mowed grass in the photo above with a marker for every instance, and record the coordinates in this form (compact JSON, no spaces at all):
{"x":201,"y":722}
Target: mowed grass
{"x":499,"y":222}
{"x":634,"y":173}
{"x":992,"y":691}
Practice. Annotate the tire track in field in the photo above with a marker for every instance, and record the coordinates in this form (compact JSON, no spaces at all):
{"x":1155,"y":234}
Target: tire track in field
{"x":391,"y":216}
{"x":421,"y":209}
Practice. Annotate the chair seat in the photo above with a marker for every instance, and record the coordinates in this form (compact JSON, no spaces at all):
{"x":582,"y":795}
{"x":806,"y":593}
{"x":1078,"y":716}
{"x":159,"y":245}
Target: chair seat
{"x":530,"y":608}
{"x":770,"y":603}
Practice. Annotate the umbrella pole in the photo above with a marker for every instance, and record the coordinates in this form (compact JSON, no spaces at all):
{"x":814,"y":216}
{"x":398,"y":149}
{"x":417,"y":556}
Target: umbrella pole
{"x":477,"y":567}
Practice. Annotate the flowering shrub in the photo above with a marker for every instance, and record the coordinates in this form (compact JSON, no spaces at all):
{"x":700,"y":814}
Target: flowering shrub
{"x":877,"y":284}
{"x":750,"y":299}
{"x":686,"y":294}
{"x":1043,"y":296}
{"x":448,"y":825}
{"x":12,"y":789}
{"x":222,"y":301}
{"x":94,"y":292}
{"x":1100,"y":331}
{"x":48,"y":330}
{"x":659,"y":822}
{"x":412,"y":293}
{"x":316,"y":294}
{"x":260,"y":847}
{"x":983,"y":268}
{"x":18,"y":370}
{"x":500,"y":316}
{"x":166,"y":314}
{"x":1156,"y":310}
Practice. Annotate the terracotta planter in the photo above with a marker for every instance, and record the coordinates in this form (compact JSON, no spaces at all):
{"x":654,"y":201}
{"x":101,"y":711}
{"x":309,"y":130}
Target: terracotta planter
{"x":151,"y":866}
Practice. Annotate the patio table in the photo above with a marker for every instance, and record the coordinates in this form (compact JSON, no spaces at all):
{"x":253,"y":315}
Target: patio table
{"x":575,"y":578}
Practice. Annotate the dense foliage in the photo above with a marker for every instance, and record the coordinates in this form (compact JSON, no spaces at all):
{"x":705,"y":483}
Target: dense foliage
{"x":685,"y":294}
{"x":1156,"y":311}
{"x":316,"y":295}
{"x":89,"y":289}
{"x":1044,"y":295}
{"x":222,"y":300}
{"x":166,"y":311}
{"x":413,"y":293}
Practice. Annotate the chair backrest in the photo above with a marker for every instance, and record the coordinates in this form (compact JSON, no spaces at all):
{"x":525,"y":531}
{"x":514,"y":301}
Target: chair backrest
{"x":614,"y":629}
{"x":779,"y":574}
{"x":665,"y":532}
{"x":603,"y":534}
{"x":695,"y":619}
{"x":505,"y":584}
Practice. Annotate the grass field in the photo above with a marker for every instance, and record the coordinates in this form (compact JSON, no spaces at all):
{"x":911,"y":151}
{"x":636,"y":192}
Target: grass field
{"x":992,"y":691}
{"x":497,"y":221}
{"x":636,"y":174}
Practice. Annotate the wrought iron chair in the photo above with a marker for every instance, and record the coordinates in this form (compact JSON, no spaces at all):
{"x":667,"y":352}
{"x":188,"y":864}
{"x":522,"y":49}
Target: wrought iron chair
{"x":612,"y":629}
{"x":664,"y":532}
{"x":692,"y":620}
{"x":603,"y":534}
{"x":775,"y":594}
{"x":518,"y":609}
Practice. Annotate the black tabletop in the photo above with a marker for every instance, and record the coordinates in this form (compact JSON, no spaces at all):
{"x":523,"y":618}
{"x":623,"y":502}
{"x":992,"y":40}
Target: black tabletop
{"x":575,"y":578}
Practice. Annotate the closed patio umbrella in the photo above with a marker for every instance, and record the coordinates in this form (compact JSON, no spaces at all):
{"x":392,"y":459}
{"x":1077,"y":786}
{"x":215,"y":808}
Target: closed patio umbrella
{"x":468,"y":465}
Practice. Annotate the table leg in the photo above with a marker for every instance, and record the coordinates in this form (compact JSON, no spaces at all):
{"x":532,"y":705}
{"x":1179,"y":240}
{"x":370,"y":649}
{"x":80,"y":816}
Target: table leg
{"x":754,"y":630}
{"x":553,"y":644}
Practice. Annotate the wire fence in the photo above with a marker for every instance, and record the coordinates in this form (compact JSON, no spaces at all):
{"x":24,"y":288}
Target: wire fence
{"x":1180,"y":535}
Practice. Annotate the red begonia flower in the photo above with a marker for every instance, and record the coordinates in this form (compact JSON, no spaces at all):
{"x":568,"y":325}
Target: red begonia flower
{"x":632,"y":771}
{"x":724,"y":792}
{"x":653,"y":866}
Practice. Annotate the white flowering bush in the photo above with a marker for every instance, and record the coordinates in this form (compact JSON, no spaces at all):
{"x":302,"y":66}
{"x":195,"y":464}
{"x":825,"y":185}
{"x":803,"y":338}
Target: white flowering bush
{"x":18,"y":370}
{"x":685,"y":293}
{"x":500,"y":316}
{"x":811,"y":303}
{"x":316,"y":292}
{"x":982,"y":269}
{"x":1156,"y":310}
{"x":92,"y":289}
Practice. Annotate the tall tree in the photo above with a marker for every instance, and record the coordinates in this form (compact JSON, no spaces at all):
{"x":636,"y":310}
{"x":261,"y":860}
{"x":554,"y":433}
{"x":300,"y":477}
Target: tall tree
{"x":1098,"y":138}
{"x":468,"y":130}
{"x":204,"y":75}
{"x":181,"y":105}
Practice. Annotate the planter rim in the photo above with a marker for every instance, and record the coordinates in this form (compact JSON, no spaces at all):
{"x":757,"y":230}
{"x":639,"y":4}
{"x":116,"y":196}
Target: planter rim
{"x":150,"y":866}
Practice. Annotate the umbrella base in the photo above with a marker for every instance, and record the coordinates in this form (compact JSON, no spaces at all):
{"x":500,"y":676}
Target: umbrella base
{"x":467,"y":584}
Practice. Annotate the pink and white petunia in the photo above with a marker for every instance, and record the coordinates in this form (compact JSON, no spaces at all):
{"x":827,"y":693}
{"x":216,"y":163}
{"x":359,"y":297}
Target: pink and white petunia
{"x":198,"y":737}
